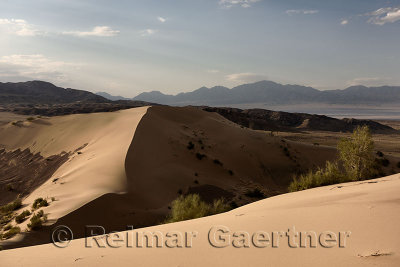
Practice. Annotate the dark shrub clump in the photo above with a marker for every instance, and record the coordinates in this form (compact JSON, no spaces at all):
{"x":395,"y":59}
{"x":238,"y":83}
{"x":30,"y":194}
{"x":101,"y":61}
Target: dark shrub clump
{"x":37,"y":221}
{"x":200,"y":156}
{"x":190,"y":145}
{"x":20,"y":218}
{"x":39,"y":202}
{"x":255,"y":193}
{"x":12,"y":232}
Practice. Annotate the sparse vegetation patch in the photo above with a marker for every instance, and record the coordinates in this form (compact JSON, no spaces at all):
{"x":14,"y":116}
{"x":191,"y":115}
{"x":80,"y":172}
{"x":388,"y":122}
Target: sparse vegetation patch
{"x":255,"y":193}
{"x":37,"y":221}
{"x":20,"y":218}
{"x":191,"y":207}
{"x":39,"y":202}
{"x":11,"y":232}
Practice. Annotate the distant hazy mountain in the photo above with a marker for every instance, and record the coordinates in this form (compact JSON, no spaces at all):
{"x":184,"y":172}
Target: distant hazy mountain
{"x":111,"y":97}
{"x":38,"y":92}
{"x":268,"y":92}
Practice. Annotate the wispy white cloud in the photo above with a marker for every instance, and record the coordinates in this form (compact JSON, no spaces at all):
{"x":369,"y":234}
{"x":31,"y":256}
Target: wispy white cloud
{"x":148,"y":32}
{"x":369,"y":81}
{"x":245,"y":77}
{"x":301,"y":11}
{"x":100,"y":31}
{"x":19,"y":27}
{"x":344,"y":21}
{"x":212,"y":71}
{"x":161,"y":19}
{"x":385,"y":15}
{"x":241,"y":3}
{"x":35,"y":67}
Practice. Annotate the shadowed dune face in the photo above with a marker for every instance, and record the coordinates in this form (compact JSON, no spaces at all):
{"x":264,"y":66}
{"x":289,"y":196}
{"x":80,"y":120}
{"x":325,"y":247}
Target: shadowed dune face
{"x":133,"y":163}
{"x":176,"y":150}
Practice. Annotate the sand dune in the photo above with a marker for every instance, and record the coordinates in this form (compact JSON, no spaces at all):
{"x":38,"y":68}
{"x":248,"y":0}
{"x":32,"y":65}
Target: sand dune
{"x":369,"y":210}
{"x":122,"y":175}
{"x":96,"y":169}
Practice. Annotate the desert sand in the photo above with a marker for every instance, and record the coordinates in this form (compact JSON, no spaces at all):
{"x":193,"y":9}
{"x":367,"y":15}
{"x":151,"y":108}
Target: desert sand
{"x":367,"y":209}
{"x":126,"y":167}
{"x":96,"y":169}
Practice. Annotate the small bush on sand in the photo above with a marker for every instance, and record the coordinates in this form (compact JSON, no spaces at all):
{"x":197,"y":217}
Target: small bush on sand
{"x":216,"y":161}
{"x":20,"y":218}
{"x":16,"y":204}
{"x":191,"y":207}
{"x":12,"y":232}
{"x":200,"y":156}
{"x":356,"y":153}
{"x":323,"y":176}
{"x":39,"y":202}
{"x":190,"y":145}
{"x":7,"y":227}
{"x":37,"y":221}
{"x":6,"y":218}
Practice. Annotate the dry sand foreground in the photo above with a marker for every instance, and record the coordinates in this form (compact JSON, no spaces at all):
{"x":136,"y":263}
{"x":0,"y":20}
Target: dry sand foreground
{"x":369,"y":209}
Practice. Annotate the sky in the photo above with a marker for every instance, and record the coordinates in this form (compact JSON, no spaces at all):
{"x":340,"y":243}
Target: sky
{"x":128,"y":47}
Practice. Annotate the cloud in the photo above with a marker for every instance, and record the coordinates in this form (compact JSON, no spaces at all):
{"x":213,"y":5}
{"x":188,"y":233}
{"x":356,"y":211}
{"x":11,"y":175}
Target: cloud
{"x":344,"y":22}
{"x":161,"y":19}
{"x":369,"y":81}
{"x":19,"y":27}
{"x":148,"y":32}
{"x":245,"y":77}
{"x":100,"y":31}
{"x":301,"y":11}
{"x":34,"y":67}
{"x":241,"y":3}
{"x":384,"y":15}
{"x":213,"y":71}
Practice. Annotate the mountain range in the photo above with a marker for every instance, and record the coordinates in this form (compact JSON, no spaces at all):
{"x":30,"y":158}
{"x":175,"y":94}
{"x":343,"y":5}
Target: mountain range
{"x":39,"y":92}
{"x":268,"y":92}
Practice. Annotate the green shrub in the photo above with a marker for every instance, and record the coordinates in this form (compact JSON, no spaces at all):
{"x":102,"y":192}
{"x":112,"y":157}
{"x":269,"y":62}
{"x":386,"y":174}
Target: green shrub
{"x":16,"y":204}
{"x":356,"y":153}
{"x":323,"y":176}
{"x":12,"y":232}
{"x":20,"y":218}
{"x":191,"y":207}
{"x":7,"y":227}
{"x":6,"y":218}
{"x":39,"y":202}
{"x":37,"y":221}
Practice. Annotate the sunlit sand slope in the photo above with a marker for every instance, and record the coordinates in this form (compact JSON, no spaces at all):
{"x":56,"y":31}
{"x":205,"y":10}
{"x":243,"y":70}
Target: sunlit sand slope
{"x":368,"y":209}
